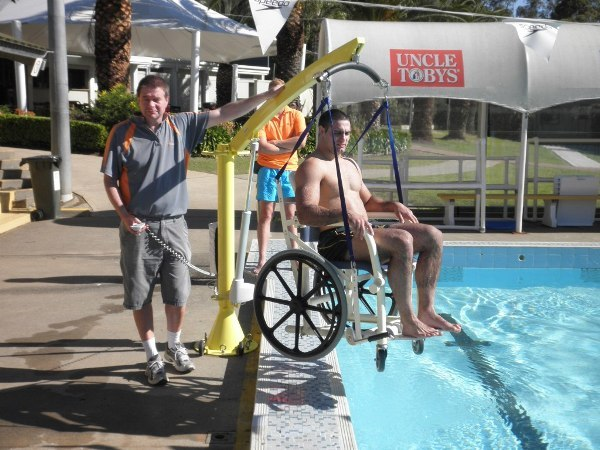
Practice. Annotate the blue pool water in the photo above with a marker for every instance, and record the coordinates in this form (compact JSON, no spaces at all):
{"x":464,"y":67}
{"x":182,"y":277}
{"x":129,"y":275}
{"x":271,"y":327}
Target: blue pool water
{"x":526,"y":375}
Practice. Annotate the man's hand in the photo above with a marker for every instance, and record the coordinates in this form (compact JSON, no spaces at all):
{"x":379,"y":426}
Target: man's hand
{"x":360,"y":225}
{"x":134,"y":225}
{"x":403,"y":213}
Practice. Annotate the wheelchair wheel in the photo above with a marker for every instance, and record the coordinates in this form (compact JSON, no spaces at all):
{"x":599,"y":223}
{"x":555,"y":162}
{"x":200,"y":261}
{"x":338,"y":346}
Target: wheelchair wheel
{"x":302,"y":317}
{"x":369,"y":300}
{"x":380,"y":357}
{"x":418,"y":345}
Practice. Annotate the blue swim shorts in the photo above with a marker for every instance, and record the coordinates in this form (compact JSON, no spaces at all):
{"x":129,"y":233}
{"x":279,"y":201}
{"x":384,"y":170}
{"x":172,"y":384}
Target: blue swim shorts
{"x":266,"y":186}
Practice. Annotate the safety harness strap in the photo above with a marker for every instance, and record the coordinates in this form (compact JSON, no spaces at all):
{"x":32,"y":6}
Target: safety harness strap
{"x":326,"y":101}
{"x":385,"y":106}
{"x":342,"y":197}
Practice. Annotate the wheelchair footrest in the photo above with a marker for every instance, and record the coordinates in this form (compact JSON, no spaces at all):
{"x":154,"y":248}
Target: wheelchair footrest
{"x":393,"y":331}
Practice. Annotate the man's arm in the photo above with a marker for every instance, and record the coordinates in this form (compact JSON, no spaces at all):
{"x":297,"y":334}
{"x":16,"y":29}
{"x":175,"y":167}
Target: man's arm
{"x":375,"y":204}
{"x":269,"y":147}
{"x":283,"y":146}
{"x":233,"y":110}
{"x":114,"y":196}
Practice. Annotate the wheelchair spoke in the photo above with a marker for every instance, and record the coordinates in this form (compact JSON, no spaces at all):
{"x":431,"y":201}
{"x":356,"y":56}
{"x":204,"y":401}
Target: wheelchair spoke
{"x":313,"y":327}
{"x":283,"y":282}
{"x":281,"y":321}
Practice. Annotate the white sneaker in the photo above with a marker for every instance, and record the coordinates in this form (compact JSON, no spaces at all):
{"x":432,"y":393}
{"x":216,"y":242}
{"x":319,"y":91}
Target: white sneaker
{"x":155,"y":371}
{"x":179,"y":357}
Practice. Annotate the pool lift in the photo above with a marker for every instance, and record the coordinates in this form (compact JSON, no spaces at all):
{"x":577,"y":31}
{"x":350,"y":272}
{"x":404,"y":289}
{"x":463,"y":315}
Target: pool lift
{"x":303,"y":302}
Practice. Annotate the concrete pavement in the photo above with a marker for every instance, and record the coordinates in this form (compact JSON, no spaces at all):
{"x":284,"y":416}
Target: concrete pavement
{"x":72,"y":366}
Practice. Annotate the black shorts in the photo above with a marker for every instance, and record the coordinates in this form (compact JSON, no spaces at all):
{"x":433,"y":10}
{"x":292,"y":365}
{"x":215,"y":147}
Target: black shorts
{"x":332,"y":244}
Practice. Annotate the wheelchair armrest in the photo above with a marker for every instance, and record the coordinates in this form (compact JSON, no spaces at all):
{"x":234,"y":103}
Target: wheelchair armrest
{"x":376,"y":270}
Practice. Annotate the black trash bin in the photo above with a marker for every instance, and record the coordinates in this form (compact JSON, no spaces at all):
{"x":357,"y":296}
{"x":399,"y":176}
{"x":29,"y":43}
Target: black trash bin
{"x":45,"y":179}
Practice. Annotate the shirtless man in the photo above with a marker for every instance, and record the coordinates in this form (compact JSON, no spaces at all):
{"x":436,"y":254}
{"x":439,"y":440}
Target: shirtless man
{"x":318,"y":204}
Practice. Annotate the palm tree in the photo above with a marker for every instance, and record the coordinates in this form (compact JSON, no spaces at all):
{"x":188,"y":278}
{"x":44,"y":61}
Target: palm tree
{"x":290,"y":41}
{"x":112,"y":42}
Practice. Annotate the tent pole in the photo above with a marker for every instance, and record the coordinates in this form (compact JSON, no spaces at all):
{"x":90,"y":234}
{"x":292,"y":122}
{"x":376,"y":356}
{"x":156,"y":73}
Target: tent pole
{"x":195,"y":80}
{"x":20,"y":80}
{"x":60,"y":134}
{"x":521,"y":175}
{"x":481,"y":168}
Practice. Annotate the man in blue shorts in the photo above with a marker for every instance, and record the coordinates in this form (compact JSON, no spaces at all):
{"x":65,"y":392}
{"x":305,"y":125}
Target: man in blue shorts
{"x":145,"y":167}
{"x":276,"y":141}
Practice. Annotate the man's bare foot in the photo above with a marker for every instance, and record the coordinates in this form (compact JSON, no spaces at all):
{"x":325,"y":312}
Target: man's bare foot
{"x":413,"y":327}
{"x":257,"y":269}
{"x":434,"y":320}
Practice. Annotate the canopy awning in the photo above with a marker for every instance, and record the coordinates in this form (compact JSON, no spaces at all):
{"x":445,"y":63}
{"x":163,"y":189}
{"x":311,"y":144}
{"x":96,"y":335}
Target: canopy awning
{"x":522,"y":66}
{"x":18,"y":50}
{"x":160,"y":29}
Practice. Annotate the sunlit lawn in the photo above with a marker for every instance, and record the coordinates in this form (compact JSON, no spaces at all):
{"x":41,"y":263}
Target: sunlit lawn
{"x":549,"y":166}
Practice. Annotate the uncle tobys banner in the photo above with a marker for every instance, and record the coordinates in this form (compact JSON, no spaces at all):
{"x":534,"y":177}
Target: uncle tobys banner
{"x":269,"y":17}
{"x":426,"y":68}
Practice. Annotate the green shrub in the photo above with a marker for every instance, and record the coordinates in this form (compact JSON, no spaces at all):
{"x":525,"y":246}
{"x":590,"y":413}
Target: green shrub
{"x":114,"y":106}
{"x":34,"y":132}
{"x":221,"y":134}
{"x":377,"y":141}
{"x":87,"y":137}
{"x":25,"y":131}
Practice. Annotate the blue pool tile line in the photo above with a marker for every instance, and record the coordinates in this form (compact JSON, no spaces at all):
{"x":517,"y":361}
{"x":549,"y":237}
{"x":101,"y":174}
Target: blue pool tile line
{"x":513,"y":257}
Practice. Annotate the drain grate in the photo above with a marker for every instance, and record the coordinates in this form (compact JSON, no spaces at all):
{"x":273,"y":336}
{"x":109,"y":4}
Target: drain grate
{"x":220,"y":438}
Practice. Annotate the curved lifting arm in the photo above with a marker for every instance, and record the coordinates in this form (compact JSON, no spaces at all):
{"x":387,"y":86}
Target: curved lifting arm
{"x":293,"y":88}
{"x":354,"y":65}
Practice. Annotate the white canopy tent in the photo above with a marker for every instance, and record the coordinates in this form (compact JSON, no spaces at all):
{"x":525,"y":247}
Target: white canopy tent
{"x":160,"y":28}
{"x":170,"y":29}
{"x":519,"y":65}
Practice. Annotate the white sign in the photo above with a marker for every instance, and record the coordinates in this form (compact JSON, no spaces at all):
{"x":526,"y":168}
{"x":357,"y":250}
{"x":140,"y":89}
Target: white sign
{"x":40,"y":64}
{"x":269,"y":17}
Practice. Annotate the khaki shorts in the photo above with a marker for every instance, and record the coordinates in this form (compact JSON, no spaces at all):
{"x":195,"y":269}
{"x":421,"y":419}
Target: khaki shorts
{"x":144,"y":263}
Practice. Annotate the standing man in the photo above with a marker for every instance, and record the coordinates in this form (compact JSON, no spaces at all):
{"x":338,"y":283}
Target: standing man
{"x":318,"y":202}
{"x":145,"y":167}
{"x":276,"y":141}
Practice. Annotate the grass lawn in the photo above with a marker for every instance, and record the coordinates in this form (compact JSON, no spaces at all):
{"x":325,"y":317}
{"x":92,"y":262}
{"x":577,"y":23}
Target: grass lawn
{"x":209,"y":164}
{"x":549,"y":165}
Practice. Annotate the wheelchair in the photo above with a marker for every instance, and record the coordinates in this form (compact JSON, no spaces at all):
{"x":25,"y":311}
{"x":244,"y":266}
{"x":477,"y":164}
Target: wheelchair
{"x":304,"y":303}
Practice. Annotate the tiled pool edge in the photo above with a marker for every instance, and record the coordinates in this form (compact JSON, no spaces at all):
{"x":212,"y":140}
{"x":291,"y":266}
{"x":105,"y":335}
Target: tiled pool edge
{"x":298,"y":402}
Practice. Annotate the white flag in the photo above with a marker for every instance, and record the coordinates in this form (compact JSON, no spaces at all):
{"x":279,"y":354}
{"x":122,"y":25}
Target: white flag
{"x":269,"y":17}
{"x":540,"y":37}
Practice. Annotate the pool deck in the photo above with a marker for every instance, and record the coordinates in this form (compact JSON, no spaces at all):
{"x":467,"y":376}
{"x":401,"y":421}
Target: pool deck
{"x":72,"y":364}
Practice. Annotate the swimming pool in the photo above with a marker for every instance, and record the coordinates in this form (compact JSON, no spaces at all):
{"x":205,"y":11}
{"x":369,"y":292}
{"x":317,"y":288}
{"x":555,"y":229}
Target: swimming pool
{"x":523,"y":375}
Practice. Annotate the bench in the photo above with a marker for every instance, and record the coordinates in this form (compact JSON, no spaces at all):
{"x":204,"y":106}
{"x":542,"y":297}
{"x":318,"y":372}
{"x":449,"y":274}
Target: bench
{"x":550,"y":203}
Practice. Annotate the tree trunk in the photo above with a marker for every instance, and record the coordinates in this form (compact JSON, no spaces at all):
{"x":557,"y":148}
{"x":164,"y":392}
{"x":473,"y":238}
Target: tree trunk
{"x":224,"y":84}
{"x":459,"y":116}
{"x":112,"y":42}
{"x":422,"y":122}
{"x":290,"y":41}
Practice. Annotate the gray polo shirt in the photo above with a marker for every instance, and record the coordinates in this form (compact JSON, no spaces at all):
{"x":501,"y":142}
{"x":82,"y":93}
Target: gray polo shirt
{"x":151,"y":167}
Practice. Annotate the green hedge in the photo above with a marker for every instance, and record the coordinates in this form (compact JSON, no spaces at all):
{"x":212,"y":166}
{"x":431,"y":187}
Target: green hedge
{"x":34,"y":132}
